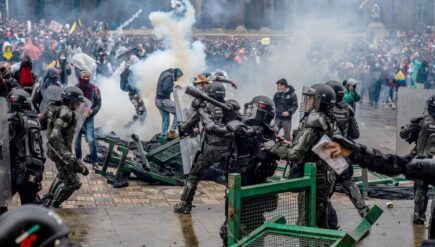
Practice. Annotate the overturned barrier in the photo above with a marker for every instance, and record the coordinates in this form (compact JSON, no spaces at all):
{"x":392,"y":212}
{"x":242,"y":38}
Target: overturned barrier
{"x":276,"y":232}
{"x":161,"y":164}
{"x":283,"y":213}
{"x":250,"y":206}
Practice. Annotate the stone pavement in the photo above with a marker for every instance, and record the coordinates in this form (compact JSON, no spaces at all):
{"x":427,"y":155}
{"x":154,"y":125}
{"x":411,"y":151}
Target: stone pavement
{"x":142,"y":215}
{"x":95,"y":192}
{"x":377,"y":130}
{"x":160,"y":226}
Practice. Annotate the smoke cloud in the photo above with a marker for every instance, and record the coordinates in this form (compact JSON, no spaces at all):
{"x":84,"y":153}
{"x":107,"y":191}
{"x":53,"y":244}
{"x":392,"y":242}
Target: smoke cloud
{"x":181,"y":52}
{"x":304,"y":56}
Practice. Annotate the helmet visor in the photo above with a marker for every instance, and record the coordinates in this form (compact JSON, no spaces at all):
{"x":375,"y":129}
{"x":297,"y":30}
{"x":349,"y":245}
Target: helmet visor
{"x":249,"y":110}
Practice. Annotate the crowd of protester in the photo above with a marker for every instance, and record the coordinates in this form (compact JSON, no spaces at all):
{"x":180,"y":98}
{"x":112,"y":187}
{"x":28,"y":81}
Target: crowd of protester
{"x":379,"y":68}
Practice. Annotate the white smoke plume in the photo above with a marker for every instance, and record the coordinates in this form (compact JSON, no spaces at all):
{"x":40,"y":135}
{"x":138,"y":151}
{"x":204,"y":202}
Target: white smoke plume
{"x":175,"y":30}
{"x":118,"y":31}
{"x":292,"y":57}
{"x":127,"y":22}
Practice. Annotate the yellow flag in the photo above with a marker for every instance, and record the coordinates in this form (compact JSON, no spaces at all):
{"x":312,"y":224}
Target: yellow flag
{"x":73,"y":28}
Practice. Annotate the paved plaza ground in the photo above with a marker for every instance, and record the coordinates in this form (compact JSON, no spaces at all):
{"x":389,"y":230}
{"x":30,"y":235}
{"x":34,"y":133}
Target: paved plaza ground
{"x":142,"y":215}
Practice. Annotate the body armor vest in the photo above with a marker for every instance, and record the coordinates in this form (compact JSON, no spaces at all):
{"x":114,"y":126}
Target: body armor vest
{"x":342,"y":116}
{"x":217,"y":115}
{"x":27,"y":149}
{"x":325,"y":127}
{"x":248,"y":157}
{"x":426,"y":138}
{"x":67,"y":133}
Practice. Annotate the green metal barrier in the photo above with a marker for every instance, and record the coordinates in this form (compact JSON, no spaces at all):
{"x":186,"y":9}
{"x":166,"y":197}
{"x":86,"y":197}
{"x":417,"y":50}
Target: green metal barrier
{"x":148,"y":166}
{"x":276,"y":233}
{"x":374,"y":179}
{"x":368,"y":178}
{"x":363,"y":181}
{"x":250,"y":206}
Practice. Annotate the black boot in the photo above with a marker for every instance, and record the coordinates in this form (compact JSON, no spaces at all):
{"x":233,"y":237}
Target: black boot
{"x":183,"y":207}
{"x":418,"y":219}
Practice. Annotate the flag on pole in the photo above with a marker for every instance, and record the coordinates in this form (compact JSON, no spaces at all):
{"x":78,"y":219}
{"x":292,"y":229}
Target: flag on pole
{"x":73,"y":28}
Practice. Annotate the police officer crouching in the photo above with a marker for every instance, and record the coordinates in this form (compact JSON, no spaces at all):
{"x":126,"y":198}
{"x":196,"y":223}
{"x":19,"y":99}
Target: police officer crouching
{"x":26,"y":151}
{"x":60,"y":121}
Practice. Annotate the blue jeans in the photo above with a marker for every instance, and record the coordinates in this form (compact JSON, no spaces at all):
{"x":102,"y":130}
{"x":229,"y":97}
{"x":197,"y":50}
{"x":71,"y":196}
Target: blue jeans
{"x":386,"y":93}
{"x":88,"y":128}
{"x":166,"y":107}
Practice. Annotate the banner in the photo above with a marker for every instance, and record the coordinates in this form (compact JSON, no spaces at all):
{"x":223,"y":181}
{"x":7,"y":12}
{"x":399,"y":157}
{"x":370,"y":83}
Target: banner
{"x":29,"y":26}
{"x":55,"y":26}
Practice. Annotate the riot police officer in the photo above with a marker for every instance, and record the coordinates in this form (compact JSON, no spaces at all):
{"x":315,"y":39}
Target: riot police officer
{"x":247,"y":157}
{"x":216,"y":139}
{"x":387,"y":164}
{"x":26,"y":151}
{"x":421,"y":130}
{"x":348,"y":126}
{"x":318,"y":120}
{"x":60,"y":121}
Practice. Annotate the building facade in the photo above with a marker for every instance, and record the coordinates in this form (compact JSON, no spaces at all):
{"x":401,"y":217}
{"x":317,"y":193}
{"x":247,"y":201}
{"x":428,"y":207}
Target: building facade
{"x":231,"y":14}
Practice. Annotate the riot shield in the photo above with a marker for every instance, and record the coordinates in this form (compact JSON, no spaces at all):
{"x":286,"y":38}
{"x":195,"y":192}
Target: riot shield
{"x":51,"y":95}
{"x":5,"y":165}
{"x":410,"y":103}
{"x":81,"y":114}
{"x":188,"y":145}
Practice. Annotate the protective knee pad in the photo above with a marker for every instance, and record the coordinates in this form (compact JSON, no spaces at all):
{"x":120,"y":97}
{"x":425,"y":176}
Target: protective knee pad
{"x":355,"y":196}
{"x":62,"y":194}
{"x":190,"y":188}
{"x":326,"y":216}
{"x":331,"y":215}
{"x":420,"y":206}
{"x":420,"y":201}
{"x":56,"y":182}
{"x":320,"y":214}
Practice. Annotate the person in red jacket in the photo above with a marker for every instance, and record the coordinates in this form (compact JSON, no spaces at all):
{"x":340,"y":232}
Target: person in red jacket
{"x":24,"y":75}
